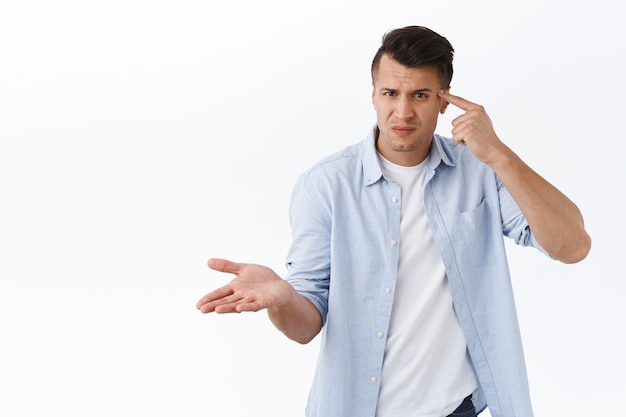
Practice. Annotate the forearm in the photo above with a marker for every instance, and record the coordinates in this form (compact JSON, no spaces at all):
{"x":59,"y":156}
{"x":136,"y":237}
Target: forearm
{"x":554,"y":219}
{"x":298,"y":319}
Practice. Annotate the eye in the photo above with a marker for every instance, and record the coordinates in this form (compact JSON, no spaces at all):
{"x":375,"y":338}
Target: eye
{"x":420,"y":95}
{"x":389,"y":93}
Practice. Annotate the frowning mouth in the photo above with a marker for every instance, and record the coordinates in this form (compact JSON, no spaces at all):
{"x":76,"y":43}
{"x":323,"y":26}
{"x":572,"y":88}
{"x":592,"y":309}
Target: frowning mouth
{"x":403,"y":130}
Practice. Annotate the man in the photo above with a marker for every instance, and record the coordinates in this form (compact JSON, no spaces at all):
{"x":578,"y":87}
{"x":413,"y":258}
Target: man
{"x":398,"y":255}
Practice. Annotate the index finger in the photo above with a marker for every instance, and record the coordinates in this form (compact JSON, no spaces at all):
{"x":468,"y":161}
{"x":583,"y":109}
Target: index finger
{"x":460,"y":102}
{"x":217,"y":294}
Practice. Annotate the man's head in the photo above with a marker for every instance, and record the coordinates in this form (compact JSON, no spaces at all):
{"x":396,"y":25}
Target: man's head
{"x":409,"y":70}
{"x":417,"y":46}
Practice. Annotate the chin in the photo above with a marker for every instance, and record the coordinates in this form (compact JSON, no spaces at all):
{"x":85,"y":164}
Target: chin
{"x":405,"y":145}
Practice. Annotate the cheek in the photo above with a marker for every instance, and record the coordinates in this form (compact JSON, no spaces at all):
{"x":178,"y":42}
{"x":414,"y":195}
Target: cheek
{"x":382,"y":111}
{"x":431,"y":113}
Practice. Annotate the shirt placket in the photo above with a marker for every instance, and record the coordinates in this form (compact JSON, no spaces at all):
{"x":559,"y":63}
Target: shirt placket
{"x":392,"y":196}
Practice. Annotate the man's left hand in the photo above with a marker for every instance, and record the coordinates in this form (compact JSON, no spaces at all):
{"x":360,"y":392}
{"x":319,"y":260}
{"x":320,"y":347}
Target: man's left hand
{"x":474,"y":129}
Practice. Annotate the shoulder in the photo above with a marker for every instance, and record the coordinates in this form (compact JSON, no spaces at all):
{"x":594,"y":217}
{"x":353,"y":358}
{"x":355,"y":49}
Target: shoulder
{"x":341,"y":162}
{"x":345,"y":157}
{"x":336,"y":175}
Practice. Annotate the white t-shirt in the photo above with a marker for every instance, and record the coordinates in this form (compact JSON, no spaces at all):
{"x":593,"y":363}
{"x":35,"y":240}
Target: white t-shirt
{"x":426,"y":370}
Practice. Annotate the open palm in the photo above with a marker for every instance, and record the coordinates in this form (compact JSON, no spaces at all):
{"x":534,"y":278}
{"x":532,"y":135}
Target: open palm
{"x":254,"y":288}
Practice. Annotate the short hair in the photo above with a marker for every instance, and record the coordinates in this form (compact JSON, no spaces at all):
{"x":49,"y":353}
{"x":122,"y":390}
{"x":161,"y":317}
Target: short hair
{"x":417,"y":46}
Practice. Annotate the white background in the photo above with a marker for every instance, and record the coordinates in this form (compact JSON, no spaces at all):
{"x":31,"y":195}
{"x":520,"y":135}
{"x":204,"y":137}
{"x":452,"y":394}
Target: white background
{"x":140,"y":138}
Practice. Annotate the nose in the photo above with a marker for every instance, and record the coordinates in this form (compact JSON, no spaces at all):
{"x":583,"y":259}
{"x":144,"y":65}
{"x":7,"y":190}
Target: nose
{"x":403,"y":109}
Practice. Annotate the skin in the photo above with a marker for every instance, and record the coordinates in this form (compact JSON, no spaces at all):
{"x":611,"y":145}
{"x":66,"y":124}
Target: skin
{"x":257,"y":287}
{"x":407,"y":108}
{"x":408,"y":102}
{"x":554,"y":219}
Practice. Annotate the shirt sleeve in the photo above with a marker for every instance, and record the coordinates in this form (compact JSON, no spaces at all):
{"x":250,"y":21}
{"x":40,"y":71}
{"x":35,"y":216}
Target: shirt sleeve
{"x":514,"y":224}
{"x":308,"y":260}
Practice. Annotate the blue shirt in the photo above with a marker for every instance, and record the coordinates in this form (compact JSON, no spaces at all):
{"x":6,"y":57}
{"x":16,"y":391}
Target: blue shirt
{"x":344,"y":257}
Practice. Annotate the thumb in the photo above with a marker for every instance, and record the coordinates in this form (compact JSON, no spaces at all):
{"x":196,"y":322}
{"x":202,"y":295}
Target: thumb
{"x":224,"y":265}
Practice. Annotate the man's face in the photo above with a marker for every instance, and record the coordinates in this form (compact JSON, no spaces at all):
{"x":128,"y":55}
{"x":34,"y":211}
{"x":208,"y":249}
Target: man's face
{"x":407,"y":107}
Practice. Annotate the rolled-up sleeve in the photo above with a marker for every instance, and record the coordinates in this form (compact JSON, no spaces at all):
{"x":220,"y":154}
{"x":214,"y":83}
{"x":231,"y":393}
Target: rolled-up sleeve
{"x":308,"y":260}
{"x":514,"y":224}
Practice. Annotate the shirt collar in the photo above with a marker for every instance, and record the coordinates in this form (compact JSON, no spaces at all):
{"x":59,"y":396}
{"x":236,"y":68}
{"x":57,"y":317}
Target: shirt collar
{"x":371,"y":165}
{"x":440,"y":151}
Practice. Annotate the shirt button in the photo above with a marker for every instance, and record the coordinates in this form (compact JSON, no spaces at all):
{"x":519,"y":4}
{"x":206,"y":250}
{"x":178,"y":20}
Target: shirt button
{"x":373,"y":379}
{"x":388,"y":290}
{"x":394,"y":200}
{"x":393,"y":242}
{"x":379,"y":335}
{"x":384,"y":182}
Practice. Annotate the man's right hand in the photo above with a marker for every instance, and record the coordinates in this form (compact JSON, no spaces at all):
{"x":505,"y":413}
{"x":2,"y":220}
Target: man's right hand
{"x":257,"y":287}
{"x":254,"y":288}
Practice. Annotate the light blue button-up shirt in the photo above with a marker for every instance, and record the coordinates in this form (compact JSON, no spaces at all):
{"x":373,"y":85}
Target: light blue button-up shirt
{"x":344,"y":258}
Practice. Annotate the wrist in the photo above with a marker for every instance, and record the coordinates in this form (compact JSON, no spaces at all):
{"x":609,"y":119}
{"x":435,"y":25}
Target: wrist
{"x":501,"y":158}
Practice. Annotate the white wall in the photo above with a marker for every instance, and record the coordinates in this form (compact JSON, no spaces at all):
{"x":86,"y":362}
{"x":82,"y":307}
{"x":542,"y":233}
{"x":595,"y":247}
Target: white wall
{"x":139,"y":138}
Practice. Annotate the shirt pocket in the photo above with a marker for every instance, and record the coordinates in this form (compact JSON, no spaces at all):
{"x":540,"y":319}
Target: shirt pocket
{"x":480,"y":237}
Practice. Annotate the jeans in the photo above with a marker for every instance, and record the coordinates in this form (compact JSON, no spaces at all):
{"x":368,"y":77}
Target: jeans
{"x":466,"y":409}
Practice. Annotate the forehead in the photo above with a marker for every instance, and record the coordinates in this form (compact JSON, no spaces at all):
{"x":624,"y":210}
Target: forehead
{"x":392,"y":74}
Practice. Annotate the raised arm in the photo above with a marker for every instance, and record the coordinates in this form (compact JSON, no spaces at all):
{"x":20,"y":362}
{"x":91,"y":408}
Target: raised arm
{"x":257,"y":287}
{"x":554,"y":219}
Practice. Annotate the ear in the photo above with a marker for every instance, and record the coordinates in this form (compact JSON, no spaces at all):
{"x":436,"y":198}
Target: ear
{"x":444,"y":104}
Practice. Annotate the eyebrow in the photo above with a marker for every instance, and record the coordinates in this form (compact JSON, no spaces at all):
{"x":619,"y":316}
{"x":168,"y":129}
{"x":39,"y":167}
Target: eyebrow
{"x":419,"y":90}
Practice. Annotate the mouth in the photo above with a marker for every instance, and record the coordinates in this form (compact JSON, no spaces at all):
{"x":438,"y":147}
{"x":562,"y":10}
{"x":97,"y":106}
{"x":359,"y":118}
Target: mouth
{"x":403,"y":130}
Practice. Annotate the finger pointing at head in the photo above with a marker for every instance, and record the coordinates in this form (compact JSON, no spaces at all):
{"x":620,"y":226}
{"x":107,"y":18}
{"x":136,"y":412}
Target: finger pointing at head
{"x":460,"y":102}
